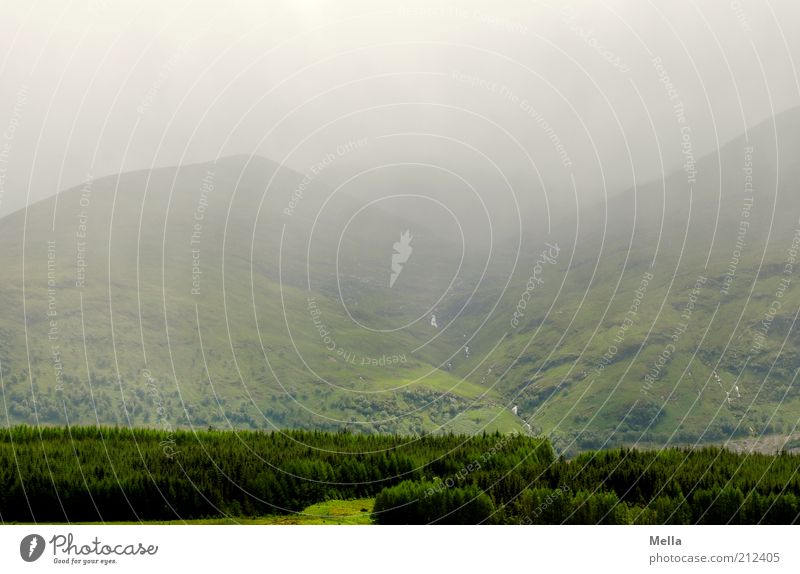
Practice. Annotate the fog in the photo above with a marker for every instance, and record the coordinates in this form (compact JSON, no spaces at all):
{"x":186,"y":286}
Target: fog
{"x":517,"y":100}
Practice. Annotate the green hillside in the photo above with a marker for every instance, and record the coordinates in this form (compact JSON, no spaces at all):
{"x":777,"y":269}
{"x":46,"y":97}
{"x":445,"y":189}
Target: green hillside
{"x":213,"y":295}
{"x":671,"y":318}
{"x":182,"y":297}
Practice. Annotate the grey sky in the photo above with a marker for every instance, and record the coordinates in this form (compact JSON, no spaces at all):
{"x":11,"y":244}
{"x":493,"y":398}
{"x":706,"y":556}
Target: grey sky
{"x":105,"y":86}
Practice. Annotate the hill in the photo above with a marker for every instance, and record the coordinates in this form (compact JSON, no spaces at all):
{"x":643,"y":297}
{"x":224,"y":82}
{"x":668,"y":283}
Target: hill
{"x":241,"y":294}
{"x":670,"y":316}
{"x":193,"y":296}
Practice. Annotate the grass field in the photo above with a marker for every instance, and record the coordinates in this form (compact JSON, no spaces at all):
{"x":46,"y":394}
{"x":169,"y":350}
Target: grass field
{"x":332,"y":512}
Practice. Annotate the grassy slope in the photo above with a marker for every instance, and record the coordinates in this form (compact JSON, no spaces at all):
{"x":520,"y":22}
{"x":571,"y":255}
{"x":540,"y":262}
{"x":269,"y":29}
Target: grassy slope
{"x":245,"y":352}
{"x":548,"y":365}
{"x":569,"y":396}
{"x":334,"y":512}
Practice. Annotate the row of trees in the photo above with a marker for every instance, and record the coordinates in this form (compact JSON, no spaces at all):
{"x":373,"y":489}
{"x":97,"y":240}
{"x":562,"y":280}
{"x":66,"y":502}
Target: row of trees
{"x":119,"y":474}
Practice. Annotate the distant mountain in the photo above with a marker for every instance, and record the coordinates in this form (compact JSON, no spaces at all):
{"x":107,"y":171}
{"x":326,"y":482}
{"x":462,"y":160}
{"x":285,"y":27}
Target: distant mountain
{"x":671,"y":317}
{"x":239,"y":293}
{"x":234,"y":293}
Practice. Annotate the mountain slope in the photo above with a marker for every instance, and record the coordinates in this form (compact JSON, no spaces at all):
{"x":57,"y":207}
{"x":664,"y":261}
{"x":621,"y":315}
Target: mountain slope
{"x":677,"y":298}
{"x":193,"y":296}
{"x":239,"y":293}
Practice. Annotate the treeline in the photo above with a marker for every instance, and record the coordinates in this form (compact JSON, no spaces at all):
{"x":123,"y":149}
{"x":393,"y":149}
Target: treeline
{"x":88,"y":474}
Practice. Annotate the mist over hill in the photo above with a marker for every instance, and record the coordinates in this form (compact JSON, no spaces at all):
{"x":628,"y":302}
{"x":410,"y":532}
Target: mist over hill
{"x":240,"y":293}
{"x":235,"y":293}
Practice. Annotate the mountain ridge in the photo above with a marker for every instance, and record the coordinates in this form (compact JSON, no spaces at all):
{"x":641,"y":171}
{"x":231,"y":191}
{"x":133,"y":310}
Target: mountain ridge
{"x":245,"y":318}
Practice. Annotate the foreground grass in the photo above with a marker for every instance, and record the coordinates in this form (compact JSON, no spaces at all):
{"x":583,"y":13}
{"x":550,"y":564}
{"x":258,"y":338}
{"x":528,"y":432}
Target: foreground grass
{"x":335,"y":512}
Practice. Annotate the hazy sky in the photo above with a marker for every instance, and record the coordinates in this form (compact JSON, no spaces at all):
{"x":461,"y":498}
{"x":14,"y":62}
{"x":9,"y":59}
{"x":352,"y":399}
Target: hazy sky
{"x":584,"y":89}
